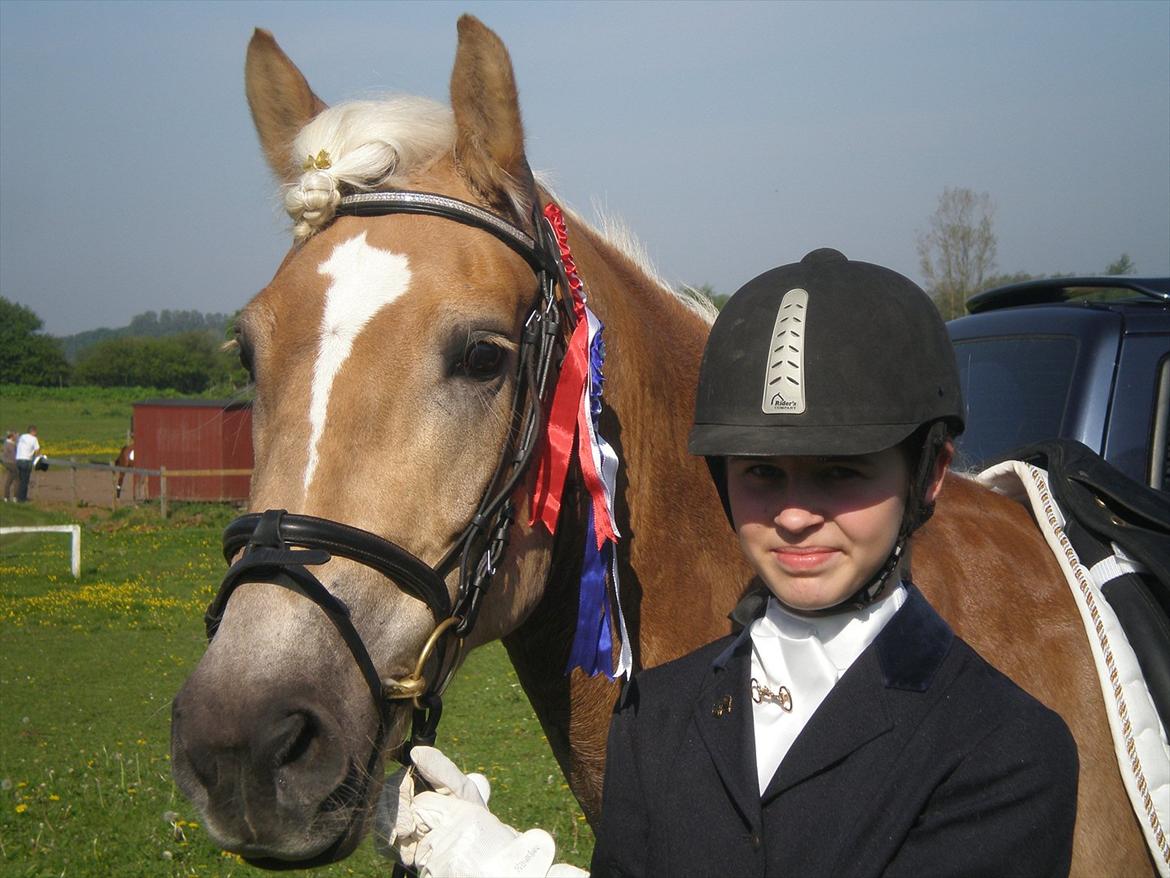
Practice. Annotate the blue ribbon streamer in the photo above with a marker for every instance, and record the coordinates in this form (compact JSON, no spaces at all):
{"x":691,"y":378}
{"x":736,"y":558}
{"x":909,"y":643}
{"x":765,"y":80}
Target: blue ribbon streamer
{"x":592,"y":649}
{"x":596,"y":359}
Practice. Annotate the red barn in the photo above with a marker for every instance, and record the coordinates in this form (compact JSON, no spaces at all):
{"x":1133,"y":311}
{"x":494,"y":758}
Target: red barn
{"x":195,"y":434}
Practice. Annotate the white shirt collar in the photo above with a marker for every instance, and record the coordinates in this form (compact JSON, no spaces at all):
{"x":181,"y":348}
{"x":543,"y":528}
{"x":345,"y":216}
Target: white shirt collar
{"x":843,"y":636}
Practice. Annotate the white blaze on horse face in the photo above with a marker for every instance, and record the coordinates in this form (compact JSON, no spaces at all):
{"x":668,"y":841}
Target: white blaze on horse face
{"x":365,"y":279}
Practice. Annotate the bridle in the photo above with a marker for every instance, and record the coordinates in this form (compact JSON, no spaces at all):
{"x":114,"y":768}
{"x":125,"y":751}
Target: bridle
{"x":278,"y":547}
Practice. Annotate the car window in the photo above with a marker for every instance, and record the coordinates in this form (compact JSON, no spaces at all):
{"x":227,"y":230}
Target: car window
{"x":1016,"y":390}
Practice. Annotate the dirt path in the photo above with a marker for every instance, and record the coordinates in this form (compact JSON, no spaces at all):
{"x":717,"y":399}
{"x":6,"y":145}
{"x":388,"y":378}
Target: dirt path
{"x":60,"y":485}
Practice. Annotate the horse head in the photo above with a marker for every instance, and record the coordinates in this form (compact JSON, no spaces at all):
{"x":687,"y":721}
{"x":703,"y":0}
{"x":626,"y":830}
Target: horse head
{"x":385,"y":354}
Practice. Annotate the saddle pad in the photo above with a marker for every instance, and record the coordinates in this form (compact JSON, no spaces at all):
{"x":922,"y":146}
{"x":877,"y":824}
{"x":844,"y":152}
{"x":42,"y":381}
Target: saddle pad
{"x":1143,"y":754}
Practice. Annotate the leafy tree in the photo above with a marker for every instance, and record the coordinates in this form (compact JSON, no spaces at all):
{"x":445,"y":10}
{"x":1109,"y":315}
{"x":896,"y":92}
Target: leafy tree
{"x":1121,"y":265}
{"x":186,"y":363}
{"x":28,"y":356}
{"x":957,"y":253}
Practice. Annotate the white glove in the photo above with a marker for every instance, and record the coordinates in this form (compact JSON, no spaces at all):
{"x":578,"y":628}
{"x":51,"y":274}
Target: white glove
{"x":397,"y":830}
{"x":450,"y":833}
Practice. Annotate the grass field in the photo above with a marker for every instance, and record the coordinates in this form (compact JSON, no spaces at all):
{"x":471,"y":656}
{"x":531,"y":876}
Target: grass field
{"x":73,"y":421}
{"x":87,"y":671}
{"x":83,"y":422}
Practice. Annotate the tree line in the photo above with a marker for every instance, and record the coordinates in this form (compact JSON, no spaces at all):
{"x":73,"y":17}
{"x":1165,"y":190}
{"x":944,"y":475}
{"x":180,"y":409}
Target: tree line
{"x":177,"y":350}
{"x":149,"y":324}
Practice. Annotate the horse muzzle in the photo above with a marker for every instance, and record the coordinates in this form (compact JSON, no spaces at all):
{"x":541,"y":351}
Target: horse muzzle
{"x":278,"y":769}
{"x":277,"y":783}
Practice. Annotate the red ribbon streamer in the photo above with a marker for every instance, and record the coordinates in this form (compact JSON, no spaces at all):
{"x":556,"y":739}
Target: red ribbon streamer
{"x":561,"y":430}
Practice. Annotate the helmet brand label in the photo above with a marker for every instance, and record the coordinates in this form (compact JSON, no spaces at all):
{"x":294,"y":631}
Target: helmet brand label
{"x":784,"y":376}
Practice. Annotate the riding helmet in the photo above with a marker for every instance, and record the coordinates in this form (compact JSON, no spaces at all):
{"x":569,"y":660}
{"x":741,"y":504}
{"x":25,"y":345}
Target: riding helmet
{"x":825,"y":356}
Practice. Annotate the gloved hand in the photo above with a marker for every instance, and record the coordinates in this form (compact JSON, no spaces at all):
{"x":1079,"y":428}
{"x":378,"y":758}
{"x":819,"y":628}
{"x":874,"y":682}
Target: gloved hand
{"x":450,"y":833}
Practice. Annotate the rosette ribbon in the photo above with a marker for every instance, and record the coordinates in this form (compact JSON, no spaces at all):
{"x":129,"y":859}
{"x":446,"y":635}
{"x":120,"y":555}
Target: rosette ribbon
{"x":572,"y":433}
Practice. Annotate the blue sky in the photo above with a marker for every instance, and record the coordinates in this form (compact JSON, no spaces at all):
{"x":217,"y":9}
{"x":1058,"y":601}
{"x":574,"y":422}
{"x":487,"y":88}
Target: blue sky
{"x":731,"y":137}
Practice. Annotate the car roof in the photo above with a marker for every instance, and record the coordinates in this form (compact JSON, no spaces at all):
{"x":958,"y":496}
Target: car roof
{"x":1067,"y":289}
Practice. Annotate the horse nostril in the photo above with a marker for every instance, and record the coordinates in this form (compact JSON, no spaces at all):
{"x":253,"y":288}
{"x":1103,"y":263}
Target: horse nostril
{"x":303,"y":758}
{"x":293,"y":739}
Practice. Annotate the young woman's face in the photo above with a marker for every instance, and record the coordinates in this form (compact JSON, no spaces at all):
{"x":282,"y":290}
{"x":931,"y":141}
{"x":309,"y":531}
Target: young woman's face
{"x":817,"y":528}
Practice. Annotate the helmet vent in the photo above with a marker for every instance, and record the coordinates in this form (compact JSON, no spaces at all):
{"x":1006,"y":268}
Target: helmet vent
{"x":784,"y":378}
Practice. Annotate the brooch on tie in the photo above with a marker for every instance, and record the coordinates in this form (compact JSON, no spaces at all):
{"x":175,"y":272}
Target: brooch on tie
{"x":722,"y":706}
{"x":760,"y":694}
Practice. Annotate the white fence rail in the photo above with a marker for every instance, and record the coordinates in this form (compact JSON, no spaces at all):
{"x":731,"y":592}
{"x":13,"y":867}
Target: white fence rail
{"x":75,"y":541}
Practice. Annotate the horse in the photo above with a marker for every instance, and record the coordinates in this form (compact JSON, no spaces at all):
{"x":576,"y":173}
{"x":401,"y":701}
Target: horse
{"x":387,"y":360}
{"x":125,"y":458}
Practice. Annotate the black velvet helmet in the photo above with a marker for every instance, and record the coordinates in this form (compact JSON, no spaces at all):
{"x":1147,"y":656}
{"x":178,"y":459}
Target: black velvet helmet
{"x":830,"y":357}
{"x":825,"y":356}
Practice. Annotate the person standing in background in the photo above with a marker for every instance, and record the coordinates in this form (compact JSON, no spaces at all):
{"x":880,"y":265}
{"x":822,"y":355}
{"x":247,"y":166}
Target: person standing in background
{"x":9,"y":459}
{"x":27,"y":447}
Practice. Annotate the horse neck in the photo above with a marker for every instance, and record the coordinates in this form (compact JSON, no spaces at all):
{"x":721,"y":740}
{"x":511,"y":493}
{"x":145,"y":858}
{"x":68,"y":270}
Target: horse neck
{"x":680,"y":568}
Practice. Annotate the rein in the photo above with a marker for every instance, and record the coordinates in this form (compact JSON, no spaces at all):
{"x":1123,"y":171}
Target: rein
{"x":278,"y":547}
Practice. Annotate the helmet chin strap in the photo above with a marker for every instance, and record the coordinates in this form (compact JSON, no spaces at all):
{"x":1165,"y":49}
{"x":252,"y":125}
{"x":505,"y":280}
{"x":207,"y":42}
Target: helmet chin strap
{"x":918,"y":512}
{"x":877,"y":583}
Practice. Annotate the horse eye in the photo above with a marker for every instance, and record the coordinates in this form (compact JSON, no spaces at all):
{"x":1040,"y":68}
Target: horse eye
{"x":483,"y":359}
{"x":245,"y":349}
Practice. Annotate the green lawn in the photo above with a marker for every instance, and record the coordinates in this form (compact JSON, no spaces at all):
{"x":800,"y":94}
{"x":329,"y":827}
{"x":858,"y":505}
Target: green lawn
{"x":87,"y":671}
{"x":72,"y":421}
{"x":83,"y":422}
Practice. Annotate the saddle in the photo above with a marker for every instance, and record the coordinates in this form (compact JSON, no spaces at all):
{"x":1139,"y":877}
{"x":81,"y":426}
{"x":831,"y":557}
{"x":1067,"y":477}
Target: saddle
{"x":1120,"y":529}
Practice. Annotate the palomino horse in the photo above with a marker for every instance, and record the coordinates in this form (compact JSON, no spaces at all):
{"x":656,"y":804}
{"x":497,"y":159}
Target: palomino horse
{"x":385,"y":357}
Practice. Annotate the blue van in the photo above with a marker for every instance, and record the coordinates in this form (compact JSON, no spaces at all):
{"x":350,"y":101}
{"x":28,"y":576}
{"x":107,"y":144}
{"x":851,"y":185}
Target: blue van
{"x":1085,"y":358}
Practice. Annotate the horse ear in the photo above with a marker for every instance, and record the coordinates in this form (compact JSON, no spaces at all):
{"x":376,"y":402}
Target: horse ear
{"x":281,"y":102}
{"x":489,"y":138}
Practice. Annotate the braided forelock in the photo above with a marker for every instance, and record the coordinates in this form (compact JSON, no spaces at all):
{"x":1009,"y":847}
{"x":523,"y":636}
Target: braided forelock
{"x":366,"y":145}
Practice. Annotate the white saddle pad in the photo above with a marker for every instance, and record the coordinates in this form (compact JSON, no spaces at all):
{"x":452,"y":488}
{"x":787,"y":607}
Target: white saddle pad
{"x":1143,"y":755}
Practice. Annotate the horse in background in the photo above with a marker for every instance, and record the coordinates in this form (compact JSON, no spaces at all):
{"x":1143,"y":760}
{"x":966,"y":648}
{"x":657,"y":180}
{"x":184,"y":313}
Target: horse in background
{"x":125,"y":458}
{"x":384,"y":355}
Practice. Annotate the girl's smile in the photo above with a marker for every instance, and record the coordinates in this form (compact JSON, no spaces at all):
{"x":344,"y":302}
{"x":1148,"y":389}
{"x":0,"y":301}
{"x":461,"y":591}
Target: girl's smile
{"x":799,"y":559}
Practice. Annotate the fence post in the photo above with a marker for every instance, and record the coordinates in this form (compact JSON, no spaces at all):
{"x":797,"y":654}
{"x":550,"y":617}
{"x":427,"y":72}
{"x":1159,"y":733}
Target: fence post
{"x":75,"y":550}
{"x":74,"y":531}
{"x":73,"y":479}
{"x":162,"y":490}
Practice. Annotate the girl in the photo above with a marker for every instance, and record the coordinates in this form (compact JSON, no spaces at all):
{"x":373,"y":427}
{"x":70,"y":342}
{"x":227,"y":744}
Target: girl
{"x":845,"y":730}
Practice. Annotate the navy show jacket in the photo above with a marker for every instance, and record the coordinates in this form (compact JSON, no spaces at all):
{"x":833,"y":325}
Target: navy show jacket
{"x":923,"y":760}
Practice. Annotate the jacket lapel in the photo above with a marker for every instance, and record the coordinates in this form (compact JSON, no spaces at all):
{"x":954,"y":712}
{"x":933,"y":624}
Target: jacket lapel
{"x":906,"y":656}
{"x":854,"y":713}
{"x":723,"y":716}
